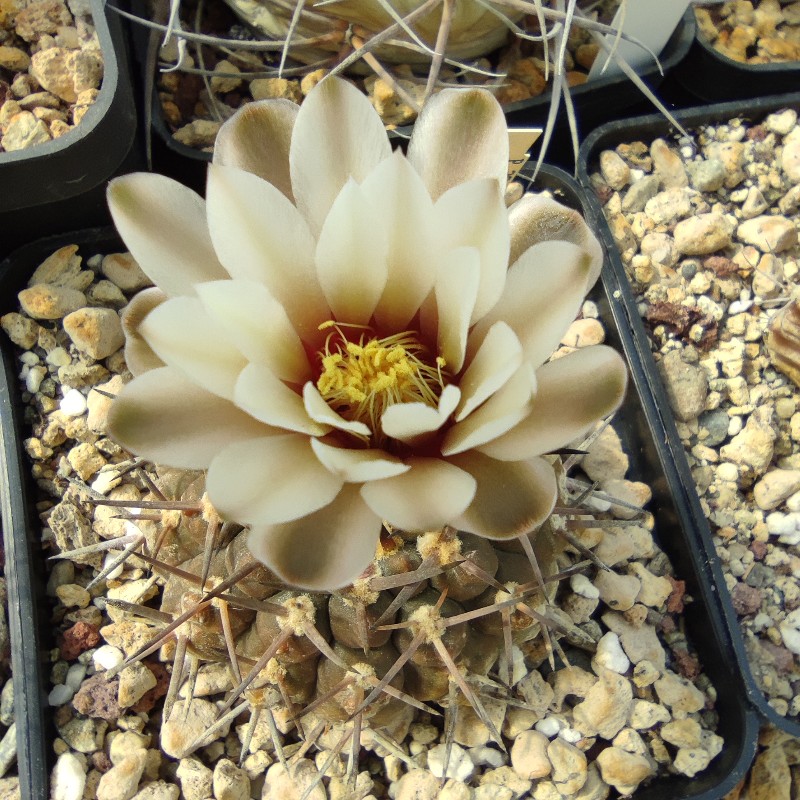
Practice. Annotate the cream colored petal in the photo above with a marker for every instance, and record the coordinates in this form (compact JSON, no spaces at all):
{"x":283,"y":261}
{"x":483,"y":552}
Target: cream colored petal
{"x":260,"y":236}
{"x":536,"y":218}
{"x":408,"y":421}
{"x":358,"y":466}
{"x":257,"y":324}
{"x":323,"y":551}
{"x":165,"y":417}
{"x":427,"y":497}
{"x":572,"y":394}
{"x":497,"y":359}
{"x":457,"y":283}
{"x":501,"y":412}
{"x":321,"y":412}
{"x":263,"y":395}
{"x":512,"y":498}
{"x":139,"y":356}
{"x":269,"y":480}
{"x":257,"y":138}
{"x":352,"y":256}
{"x":185,"y":337}
{"x":338,"y":135}
{"x":543,"y":293}
{"x":399,"y":197}
{"x":164,"y":226}
{"x":474,"y":215}
{"x":460,"y":135}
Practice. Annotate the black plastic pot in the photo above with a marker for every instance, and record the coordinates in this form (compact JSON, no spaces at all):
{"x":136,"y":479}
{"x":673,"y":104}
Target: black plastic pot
{"x":595,"y":103}
{"x":689,"y":547}
{"x":60,"y":185}
{"x":712,"y":77}
{"x":679,"y":477}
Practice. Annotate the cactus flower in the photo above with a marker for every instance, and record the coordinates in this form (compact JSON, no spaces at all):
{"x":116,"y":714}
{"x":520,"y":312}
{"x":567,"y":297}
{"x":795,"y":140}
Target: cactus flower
{"x":341,"y":335}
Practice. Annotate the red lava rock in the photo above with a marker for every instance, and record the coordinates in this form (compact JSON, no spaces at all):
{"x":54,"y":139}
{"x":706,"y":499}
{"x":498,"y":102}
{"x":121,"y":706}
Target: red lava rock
{"x":148,"y":699}
{"x":759,"y":550}
{"x":780,"y":656}
{"x":81,"y":636}
{"x":97,"y":697}
{"x":757,"y":133}
{"x":675,"y":599}
{"x":746,"y":599}
{"x":687,"y":664}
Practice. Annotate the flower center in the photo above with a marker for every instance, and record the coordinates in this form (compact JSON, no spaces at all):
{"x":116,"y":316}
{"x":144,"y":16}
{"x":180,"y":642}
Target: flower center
{"x":360,"y":380}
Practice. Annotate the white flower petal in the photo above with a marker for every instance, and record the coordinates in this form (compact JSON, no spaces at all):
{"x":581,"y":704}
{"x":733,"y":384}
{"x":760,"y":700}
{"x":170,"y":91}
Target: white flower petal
{"x":544,"y":291}
{"x":321,"y":412}
{"x":398,"y":196}
{"x":351,"y":256}
{"x":512,"y":498}
{"x":139,"y":356}
{"x":164,"y":226}
{"x":358,"y":466}
{"x":460,"y":135}
{"x":263,"y":395}
{"x":260,"y":236}
{"x":323,"y":551}
{"x":164,"y":417}
{"x":338,"y":135}
{"x":269,"y":480}
{"x":501,"y":412}
{"x":257,"y":139}
{"x":427,"y":497}
{"x":457,"y":281}
{"x":184,"y":336}
{"x":497,"y":359}
{"x":257,"y":324}
{"x":474,"y":215}
{"x":407,"y":421}
{"x":535,"y":218}
{"x":572,"y":394}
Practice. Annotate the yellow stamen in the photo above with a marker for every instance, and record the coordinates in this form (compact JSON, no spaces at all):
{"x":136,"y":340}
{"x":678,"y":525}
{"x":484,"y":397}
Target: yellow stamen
{"x":360,"y":380}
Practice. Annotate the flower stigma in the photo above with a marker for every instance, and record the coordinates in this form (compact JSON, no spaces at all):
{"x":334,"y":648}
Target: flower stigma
{"x":361,"y":379}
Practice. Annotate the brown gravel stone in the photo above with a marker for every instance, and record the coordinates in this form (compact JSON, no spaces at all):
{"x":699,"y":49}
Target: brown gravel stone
{"x":97,"y":697}
{"x":746,"y":599}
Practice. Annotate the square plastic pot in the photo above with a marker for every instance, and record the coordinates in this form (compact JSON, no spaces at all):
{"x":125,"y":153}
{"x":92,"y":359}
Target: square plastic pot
{"x":689,"y":548}
{"x":680,"y":479}
{"x":60,"y":185}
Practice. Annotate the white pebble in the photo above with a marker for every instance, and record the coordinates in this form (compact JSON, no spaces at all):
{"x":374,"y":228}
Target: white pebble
{"x":611,"y":655}
{"x":790,"y":538}
{"x":739,"y":306}
{"x":60,"y":694}
{"x":735,"y":426}
{"x":29,"y":358}
{"x":112,"y":556}
{"x":582,"y":586}
{"x":68,"y":779}
{"x":793,"y":502}
{"x":589,"y":310}
{"x":570,"y":735}
{"x":75,"y":675}
{"x":459,"y":766}
{"x":73,"y":404}
{"x":58,"y":357}
{"x":107,"y":657}
{"x":780,"y":524}
{"x":549,"y":726}
{"x":34,"y":378}
{"x":791,"y":638}
{"x":485,"y":755}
